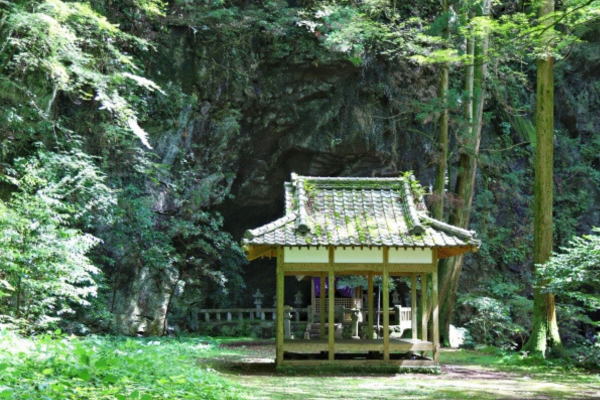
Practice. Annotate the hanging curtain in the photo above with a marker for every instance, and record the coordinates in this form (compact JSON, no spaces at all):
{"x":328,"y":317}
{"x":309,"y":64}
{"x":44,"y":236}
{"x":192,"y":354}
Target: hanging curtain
{"x":343,"y":291}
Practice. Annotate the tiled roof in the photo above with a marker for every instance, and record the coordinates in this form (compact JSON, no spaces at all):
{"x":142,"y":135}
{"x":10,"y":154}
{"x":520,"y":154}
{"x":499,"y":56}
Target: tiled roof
{"x":356,"y":212}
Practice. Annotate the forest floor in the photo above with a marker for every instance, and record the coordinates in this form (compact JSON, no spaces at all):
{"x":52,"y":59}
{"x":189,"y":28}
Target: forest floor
{"x":464,"y":375}
{"x":56,"y":366}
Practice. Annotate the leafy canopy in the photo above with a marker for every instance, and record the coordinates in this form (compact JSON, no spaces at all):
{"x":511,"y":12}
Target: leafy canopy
{"x":54,"y":47}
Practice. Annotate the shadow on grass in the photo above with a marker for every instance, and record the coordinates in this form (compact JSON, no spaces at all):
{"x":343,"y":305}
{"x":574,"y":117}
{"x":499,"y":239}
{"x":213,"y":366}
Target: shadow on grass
{"x":261,"y":352}
{"x":245,"y":367}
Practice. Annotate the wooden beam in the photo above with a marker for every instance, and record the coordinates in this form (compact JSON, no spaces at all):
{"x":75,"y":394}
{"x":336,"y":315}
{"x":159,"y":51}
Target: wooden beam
{"x":445,"y":252}
{"x":371,"y":310}
{"x":331,"y":307}
{"x":280,"y":302}
{"x":413,"y":304}
{"x":424,"y":307}
{"x":386,"y":306}
{"x":404,"y":273}
{"x":322,"y":305}
{"x":411,"y":268}
{"x":301,"y":267}
{"x":436,"y":312}
{"x":254,"y":252}
{"x":356,"y":269}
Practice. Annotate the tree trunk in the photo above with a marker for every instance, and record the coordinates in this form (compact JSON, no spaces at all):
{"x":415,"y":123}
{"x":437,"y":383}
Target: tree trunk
{"x":440,"y":176}
{"x":465,"y":183}
{"x":545,"y":330}
{"x":18,"y":293}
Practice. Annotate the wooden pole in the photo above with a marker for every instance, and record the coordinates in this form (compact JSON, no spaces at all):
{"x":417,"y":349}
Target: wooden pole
{"x":313,"y":303}
{"x":371,"y":310}
{"x":386,"y":306}
{"x":322,"y":305}
{"x":280,"y":302}
{"x":436,"y":312}
{"x":424,"y":307}
{"x":331,"y":307}
{"x":413,"y":305}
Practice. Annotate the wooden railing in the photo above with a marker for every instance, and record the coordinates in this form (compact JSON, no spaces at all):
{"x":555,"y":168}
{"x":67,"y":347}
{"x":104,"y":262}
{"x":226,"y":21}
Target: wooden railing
{"x":405,"y":320}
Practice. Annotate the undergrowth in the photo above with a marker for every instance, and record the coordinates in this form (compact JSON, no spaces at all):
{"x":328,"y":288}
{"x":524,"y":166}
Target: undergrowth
{"x":55,"y":366}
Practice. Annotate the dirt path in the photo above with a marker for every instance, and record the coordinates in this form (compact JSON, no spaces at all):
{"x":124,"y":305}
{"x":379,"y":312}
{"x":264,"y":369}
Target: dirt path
{"x":251,"y":365}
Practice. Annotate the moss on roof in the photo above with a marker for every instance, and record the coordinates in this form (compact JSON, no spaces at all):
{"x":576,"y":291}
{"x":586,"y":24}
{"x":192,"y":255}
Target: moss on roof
{"x":324,"y":211}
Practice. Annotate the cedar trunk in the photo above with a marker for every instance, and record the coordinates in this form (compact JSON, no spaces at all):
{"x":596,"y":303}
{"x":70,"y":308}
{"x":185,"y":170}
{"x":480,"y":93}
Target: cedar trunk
{"x":545,"y":330}
{"x":440,"y":175}
{"x":465,"y":184}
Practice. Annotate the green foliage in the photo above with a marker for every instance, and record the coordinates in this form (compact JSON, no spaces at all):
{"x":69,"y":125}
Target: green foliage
{"x":490,"y":322}
{"x":72,"y":81}
{"x":44,"y":257}
{"x":497,"y":314}
{"x":54,"y":366}
{"x":361,"y":29}
{"x":52,"y":48}
{"x":574,"y":273}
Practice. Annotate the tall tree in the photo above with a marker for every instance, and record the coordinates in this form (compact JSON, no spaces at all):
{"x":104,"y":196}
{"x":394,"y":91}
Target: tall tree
{"x":545,"y":330}
{"x":442,"y":164}
{"x":474,"y":93}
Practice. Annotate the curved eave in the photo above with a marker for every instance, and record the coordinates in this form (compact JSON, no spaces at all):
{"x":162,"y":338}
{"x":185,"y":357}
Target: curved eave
{"x":445,"y":252}
{"x":254,"y":251}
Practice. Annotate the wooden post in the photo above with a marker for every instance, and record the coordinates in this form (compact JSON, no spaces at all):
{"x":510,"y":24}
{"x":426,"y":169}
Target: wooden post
{"x":424,"y":307}
{"x":322,"y":305}
{"x":436,"y":311}
{"x":413,"y":305}
{"x":386,"y":305}
{"x":280,"y":302}
{"x":331,"y":307}
{"x":311,"y":317}
{"x":370,"y":311}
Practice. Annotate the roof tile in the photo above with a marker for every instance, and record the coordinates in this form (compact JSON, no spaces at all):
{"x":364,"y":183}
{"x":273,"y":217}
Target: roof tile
{"x":359,"y":212}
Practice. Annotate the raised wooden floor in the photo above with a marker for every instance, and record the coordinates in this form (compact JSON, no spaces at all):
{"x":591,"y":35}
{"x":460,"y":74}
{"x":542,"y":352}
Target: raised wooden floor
{"x":356,"y":352}
{"x":355,"y":345}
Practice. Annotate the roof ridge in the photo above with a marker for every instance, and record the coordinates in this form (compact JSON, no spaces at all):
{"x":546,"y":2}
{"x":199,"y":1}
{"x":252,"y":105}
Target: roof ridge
{"x":302,"y":225}
{"x":470,"y":236}
{"x":416,"y":228}
{"x":288,"y":197}
{"x":350,"y":178}
{"x":278,"y":223}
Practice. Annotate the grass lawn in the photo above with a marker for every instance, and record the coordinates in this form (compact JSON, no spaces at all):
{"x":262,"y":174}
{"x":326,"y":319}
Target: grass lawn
{"x":116,"y":368}
{"x":464,"y":375}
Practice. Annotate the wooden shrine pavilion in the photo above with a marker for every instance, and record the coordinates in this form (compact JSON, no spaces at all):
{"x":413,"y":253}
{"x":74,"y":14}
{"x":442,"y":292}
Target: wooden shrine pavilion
{"x":365,"y":227}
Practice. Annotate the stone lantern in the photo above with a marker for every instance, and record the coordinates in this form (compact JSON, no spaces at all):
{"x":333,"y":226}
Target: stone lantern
{"x":396,"y":298}
{"x":298,"y":299}
{"x":258,"y":302}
